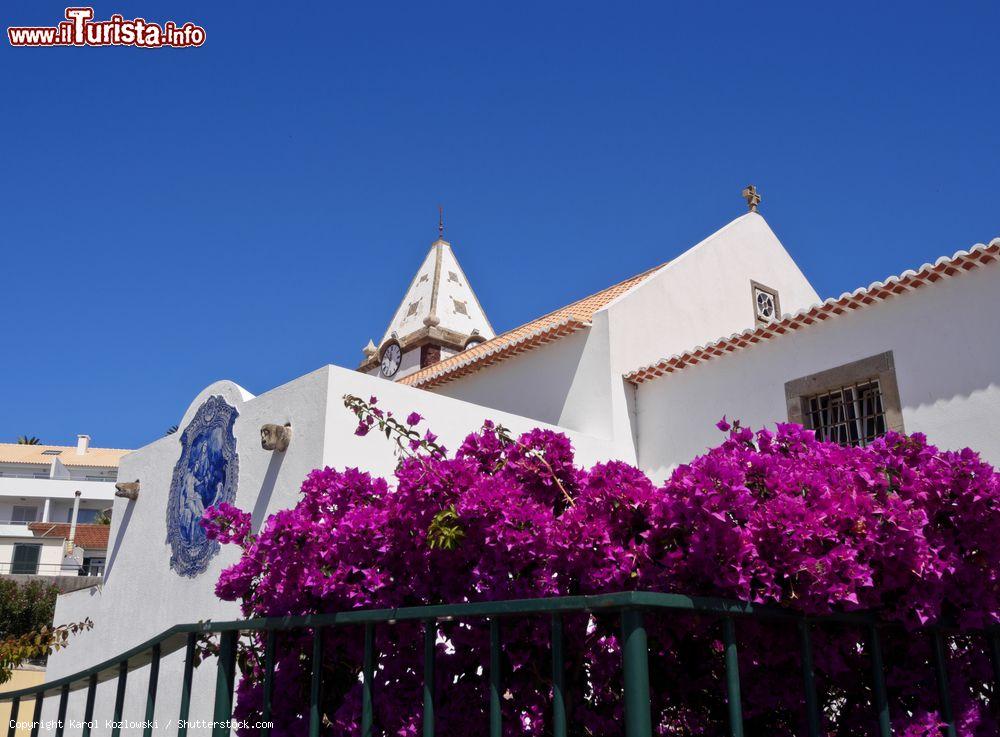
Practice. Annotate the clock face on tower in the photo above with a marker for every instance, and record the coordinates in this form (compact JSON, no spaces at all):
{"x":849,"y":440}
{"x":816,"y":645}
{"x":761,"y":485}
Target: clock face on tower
{"x":390,"y":360}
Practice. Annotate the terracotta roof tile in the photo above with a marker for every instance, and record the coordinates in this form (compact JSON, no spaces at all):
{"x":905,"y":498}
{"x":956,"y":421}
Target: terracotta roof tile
{"x":944,"y":267}
{"x":543,"y":330}
{"x":89,"y":537}
{"x":35,"y":454}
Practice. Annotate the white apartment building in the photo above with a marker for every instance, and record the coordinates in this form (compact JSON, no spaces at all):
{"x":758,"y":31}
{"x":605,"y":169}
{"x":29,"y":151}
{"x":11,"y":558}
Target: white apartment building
{"x":66,"y":487}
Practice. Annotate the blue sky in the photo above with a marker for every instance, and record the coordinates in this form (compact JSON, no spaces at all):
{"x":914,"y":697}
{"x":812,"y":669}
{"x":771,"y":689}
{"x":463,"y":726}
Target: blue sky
{"x":254,"y":208}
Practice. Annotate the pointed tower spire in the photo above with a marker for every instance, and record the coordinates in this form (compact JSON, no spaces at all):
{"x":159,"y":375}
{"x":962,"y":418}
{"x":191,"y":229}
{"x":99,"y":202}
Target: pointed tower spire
{"x":439,"y":316}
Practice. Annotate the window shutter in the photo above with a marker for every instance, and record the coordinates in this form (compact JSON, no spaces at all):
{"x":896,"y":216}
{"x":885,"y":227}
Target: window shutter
{"x":26,"y":559}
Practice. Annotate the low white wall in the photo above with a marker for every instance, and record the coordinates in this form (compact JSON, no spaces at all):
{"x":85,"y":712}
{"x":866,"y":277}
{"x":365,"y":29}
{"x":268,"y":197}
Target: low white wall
{"x":142,"y":597}
{"x":945,"y":339}
{"x":451,"y":419}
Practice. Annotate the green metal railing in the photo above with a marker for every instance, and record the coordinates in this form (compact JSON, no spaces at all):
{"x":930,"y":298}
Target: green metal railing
{"x":631,"y":606}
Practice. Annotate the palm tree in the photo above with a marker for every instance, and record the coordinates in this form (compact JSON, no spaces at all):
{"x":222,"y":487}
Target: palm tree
{"x":28,"y":440}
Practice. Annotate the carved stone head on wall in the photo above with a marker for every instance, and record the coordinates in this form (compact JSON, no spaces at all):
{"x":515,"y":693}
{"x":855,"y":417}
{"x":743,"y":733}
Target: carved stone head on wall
{"x":275,"y":437}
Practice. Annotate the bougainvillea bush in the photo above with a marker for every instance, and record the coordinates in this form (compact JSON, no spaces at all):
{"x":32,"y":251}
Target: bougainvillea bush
{"x":900,"y":528}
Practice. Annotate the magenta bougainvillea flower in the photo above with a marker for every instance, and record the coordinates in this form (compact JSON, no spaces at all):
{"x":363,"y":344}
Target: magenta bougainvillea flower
{"x":900,"y":529}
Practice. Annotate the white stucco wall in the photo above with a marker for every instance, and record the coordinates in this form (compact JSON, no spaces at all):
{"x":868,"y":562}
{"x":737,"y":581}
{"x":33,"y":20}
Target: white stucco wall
{"x":142,"y":597}
{"x":945,"y":339}
{"x":704,"y":293}
{"x":533,"y":384}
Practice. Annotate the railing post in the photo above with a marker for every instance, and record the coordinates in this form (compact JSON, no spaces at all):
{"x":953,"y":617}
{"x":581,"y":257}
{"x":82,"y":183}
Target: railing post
{"x":733,"y":700}
{"x":944,"y":691}
{"x":368,"y":674}
{"x":185,"y":711}
{"x":558,"y":679}
{"x":430,"y":645}
{"x":878,"y":683}
{"x":994,"y":643}
{"x":635,"y":664}
{"x":36,"y":718}
{"x":88,"y":710}
{"x":154,"y":676}
{"x":316,"y":682}
{"x":61,"y":718}
{"x":15,"y":706}
{"x":225,"y":676}
{"x":496,"y":715}
{"x":116,"y":727}
{"x":809,"y":680}
{"x":268,"y":681}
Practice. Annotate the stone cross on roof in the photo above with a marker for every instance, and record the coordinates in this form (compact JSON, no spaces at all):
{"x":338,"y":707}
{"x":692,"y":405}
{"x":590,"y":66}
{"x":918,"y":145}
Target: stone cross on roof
{"x":752,"y":197}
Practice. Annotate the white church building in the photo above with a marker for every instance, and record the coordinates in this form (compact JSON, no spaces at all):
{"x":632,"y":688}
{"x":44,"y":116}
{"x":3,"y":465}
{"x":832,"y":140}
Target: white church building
{"x":640,"y":371}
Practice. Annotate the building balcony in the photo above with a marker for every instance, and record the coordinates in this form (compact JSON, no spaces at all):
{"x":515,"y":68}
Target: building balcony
{"x":45,"y":475}
{"x":13,"y":528}
{"x":18,"y":511}
{"x":14,"y":486}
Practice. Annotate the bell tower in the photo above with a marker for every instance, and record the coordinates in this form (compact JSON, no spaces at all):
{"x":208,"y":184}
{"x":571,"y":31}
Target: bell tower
{"x":439,"y":316}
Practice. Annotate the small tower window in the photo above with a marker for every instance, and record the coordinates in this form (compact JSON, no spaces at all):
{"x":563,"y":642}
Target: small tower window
{"x":460,"y":307}
{"x":414,"y":306}
{"x":429,"y":355}
{"x":766,"y":308}
{"x":452,"y":276}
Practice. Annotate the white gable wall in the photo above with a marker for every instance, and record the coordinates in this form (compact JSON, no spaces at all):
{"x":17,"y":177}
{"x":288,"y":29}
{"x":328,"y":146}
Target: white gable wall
{"x":700,"y":296}
{"x":705,"y":293}
{"x":945,"y":340}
